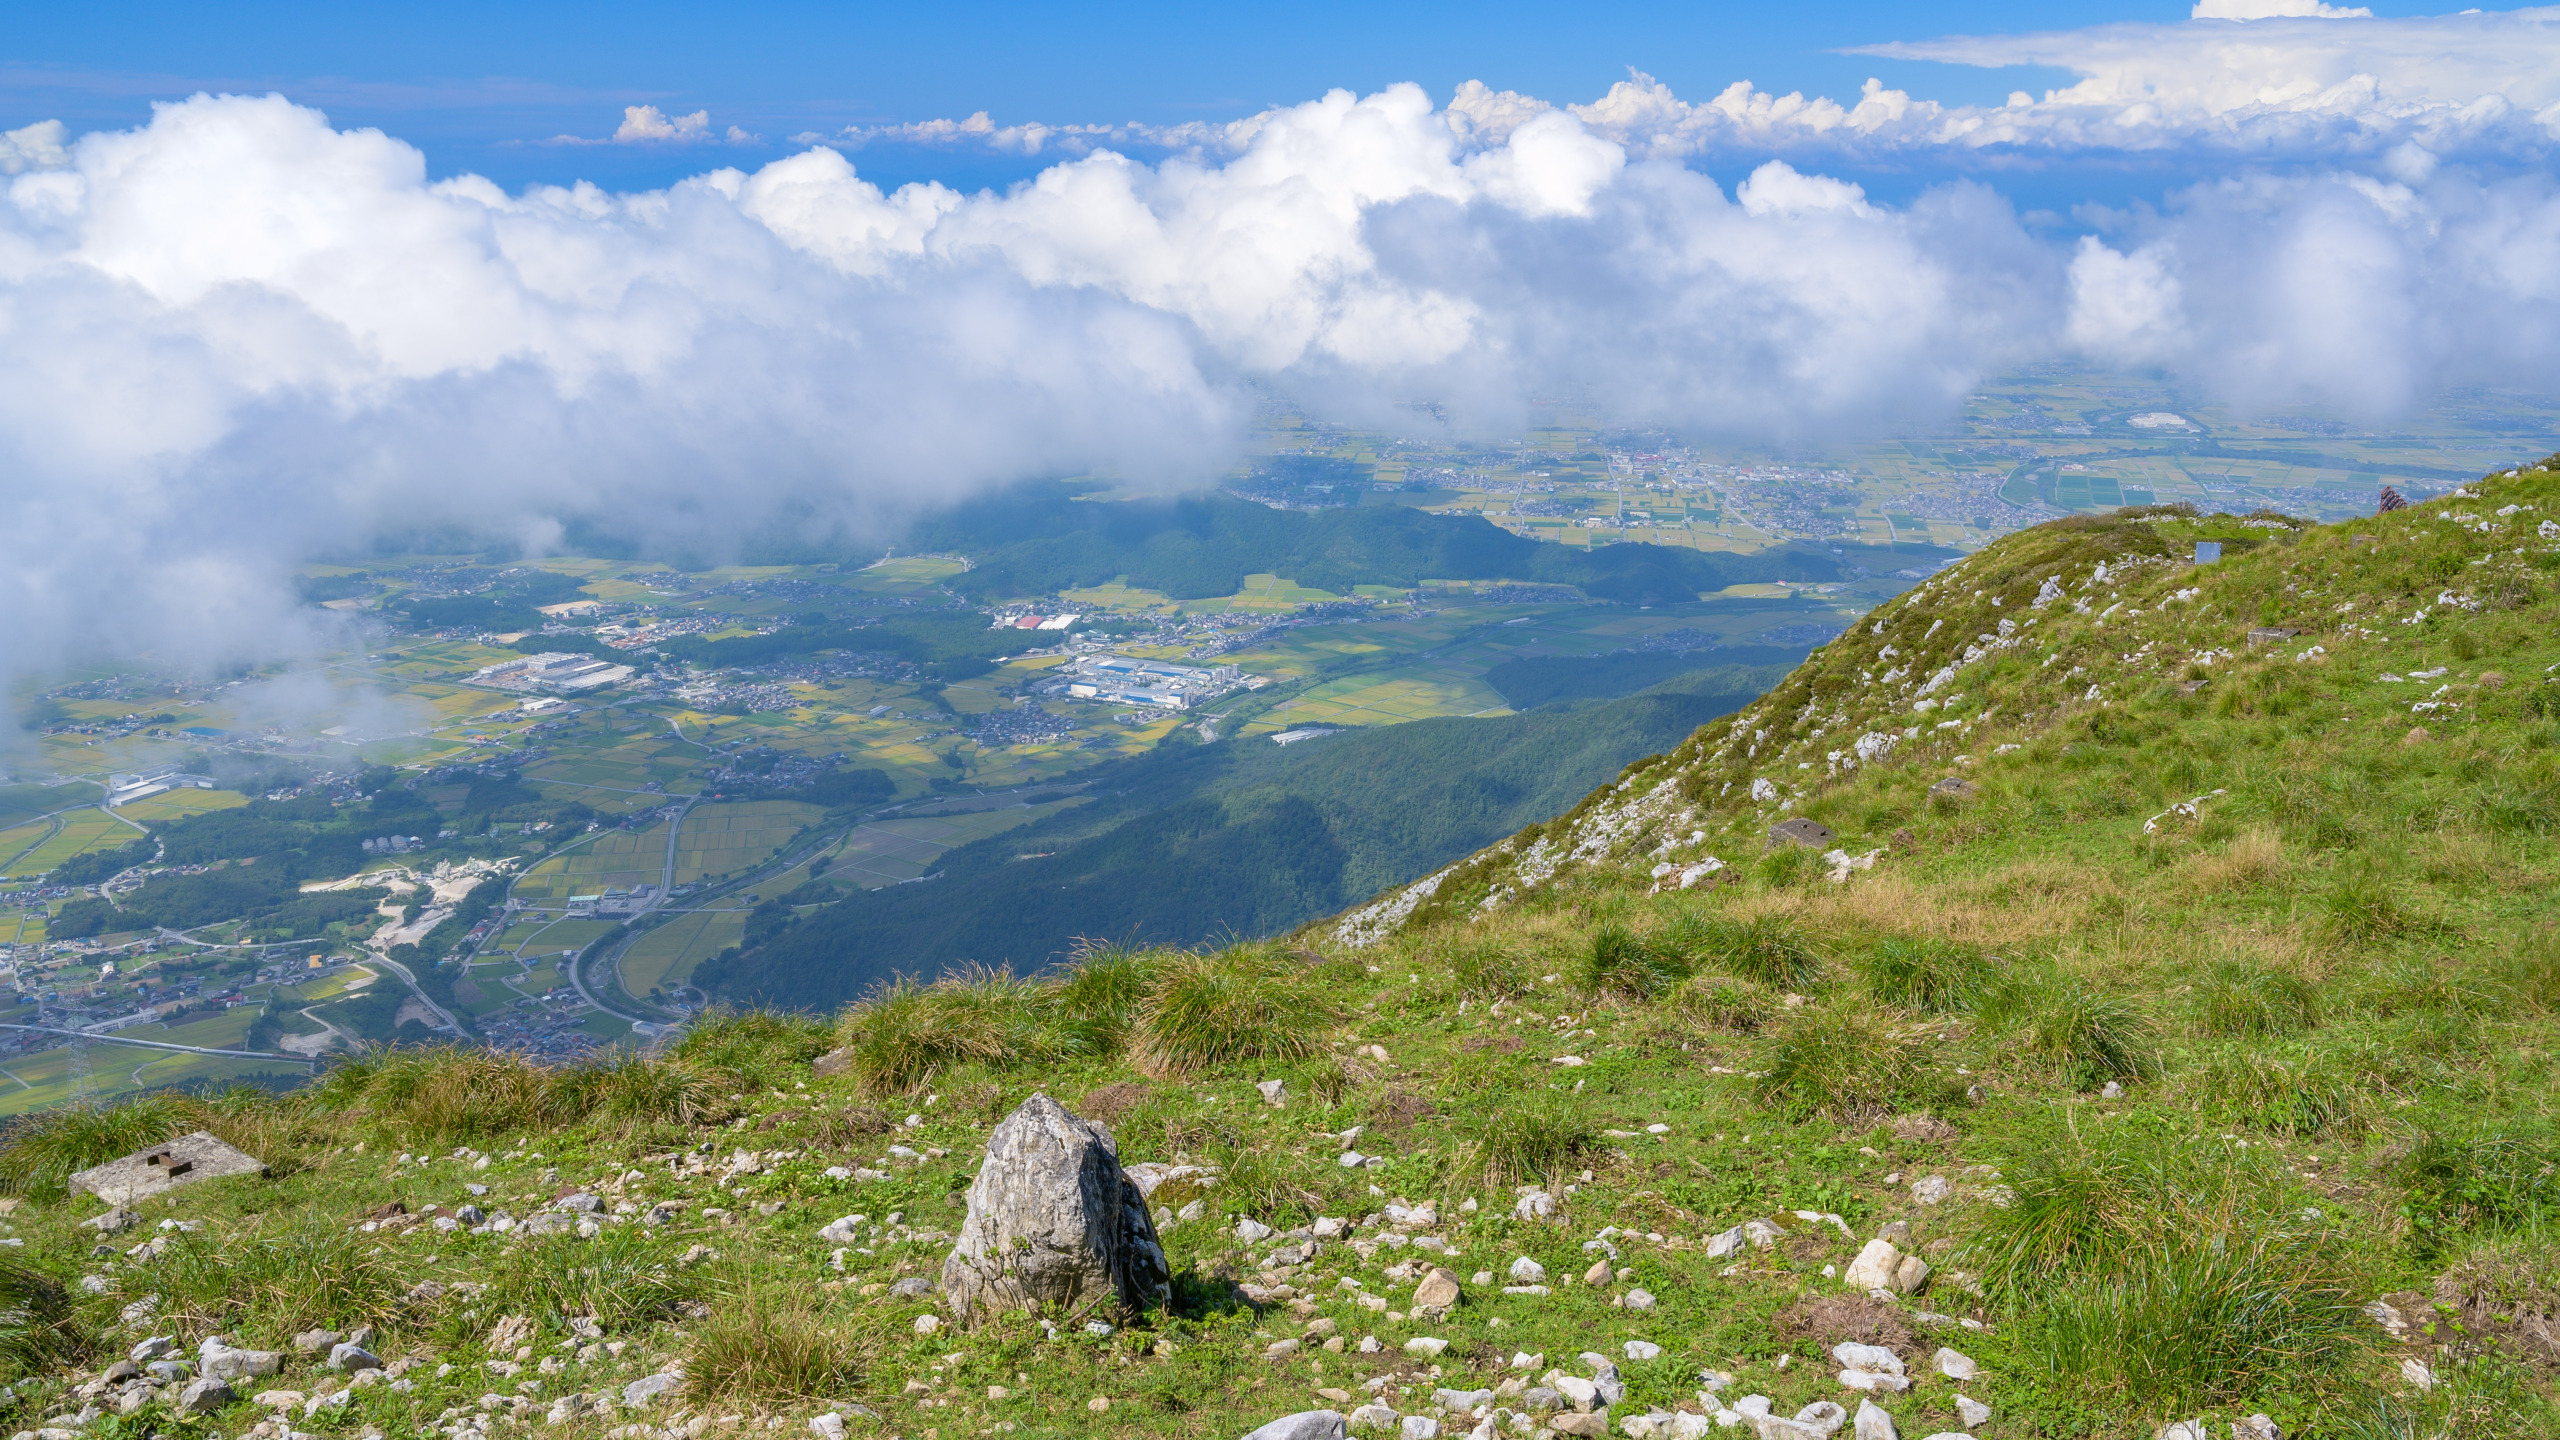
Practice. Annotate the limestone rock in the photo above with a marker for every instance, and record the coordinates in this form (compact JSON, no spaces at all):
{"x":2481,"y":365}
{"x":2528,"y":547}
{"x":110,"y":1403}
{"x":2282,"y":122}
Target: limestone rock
{"x":1438,"y":1290}
{"x":219,"y":1360}
{"x":204,"y":1396}
{"x":1053,"y":1221}
{"x":1881,"y":1266}
{"x":1954,"y":1364}
{"x":1595,"y":1423}
{"x":1525,"y":1271}
{"x":640,"y":1393}
{"x":1971,"y":1411}
{"x":1873,"y":1423}
{"x":1305,"y":1425}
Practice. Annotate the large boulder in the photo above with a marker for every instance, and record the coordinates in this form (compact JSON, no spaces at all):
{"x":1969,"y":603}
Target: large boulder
{"x":1054,"y":1221}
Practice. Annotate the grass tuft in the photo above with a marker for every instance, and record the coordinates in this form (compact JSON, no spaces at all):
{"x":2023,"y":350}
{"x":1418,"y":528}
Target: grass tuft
{"x":904,"y":1034}
{"x":1620,"y":962}
{"x":1245,"y":1002}
{"x":1536,"y":1137}
{"x":2068,"y":1025}
{"x":1765,"y":948}
{"x":1939,"y":977}
{"x":765,"y":1344}
{"x":1848,"y":1064}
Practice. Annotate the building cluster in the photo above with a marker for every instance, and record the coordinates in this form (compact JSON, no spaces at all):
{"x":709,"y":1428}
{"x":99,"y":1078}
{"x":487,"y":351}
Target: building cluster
{"x":555,"y":671}
{"x":1024,"y":620}
{"x":393,"y":844}
{"x":615,"y":904}
{"x":124,"y":789}
{"x":1155,"y":684}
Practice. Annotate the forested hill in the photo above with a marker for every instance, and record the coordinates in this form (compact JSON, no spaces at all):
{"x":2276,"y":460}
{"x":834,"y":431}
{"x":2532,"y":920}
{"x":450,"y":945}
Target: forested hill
{"x":1194,"y":843}
{"x":1038,"y":539}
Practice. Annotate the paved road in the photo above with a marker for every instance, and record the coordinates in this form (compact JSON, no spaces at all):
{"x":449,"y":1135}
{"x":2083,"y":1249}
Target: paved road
{"x":111,"y":1038}
{"x":410,"y":980}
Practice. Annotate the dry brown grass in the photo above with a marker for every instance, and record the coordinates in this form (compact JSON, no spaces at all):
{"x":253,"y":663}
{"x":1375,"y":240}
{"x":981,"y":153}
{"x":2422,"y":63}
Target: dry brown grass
{"x":2253,"y":858}
{"x":2024,"y":903}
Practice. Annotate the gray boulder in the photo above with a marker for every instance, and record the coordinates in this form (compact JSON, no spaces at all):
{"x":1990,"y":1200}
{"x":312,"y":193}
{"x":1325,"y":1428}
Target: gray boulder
{"x":219,"y":1360}
{"x":1053,"y":1220}
{"x":1305,"y":1425}
{"x":202,"y":1397}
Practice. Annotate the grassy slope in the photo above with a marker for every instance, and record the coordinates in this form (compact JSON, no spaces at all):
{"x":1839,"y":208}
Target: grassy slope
{"x":2327,"y":996}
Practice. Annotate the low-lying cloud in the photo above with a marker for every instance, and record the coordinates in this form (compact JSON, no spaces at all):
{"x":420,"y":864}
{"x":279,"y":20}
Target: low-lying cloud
{"x":236,"y":339}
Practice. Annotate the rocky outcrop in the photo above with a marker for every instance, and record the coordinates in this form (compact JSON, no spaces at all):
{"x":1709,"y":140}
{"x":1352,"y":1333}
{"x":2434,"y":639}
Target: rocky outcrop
{"x":1054,"y":1221}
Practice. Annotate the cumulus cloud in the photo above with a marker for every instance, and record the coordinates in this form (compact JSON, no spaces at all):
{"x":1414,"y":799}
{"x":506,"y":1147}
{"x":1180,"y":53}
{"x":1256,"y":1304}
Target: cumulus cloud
{"x":2284,"y":80}
{"x":236,"y":338}
{"x":649,"y":125}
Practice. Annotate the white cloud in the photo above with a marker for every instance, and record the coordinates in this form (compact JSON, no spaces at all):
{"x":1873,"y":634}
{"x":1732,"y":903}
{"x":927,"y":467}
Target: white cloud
{"x":2277,"y":9}
{"x":235,"y":338}
{"x":649,"y":125}
{"x":31,"y":147}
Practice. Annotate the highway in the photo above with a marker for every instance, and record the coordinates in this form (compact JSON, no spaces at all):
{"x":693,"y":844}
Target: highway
{"x":111,"y":1038}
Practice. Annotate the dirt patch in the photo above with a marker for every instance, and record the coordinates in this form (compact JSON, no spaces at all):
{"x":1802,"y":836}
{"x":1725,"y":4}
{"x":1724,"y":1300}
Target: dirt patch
{"x":1495,"y":1041}
{"x":1923,"y":1129}
{"x":778,"y":1119}
{"x":1399,"y":1110}
{"x":843,"y":1127}
{"x":2502,"y":1300}
{"x":1110,"y":1102}
{"x":1834,"y":1319}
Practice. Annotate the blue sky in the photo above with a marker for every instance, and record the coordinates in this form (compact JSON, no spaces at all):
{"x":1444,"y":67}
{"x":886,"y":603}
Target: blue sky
{"x":478,"y":85}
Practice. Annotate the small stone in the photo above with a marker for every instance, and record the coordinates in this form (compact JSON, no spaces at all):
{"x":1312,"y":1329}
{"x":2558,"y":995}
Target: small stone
{"x":1639,"y":1299}
{"x":1098,"y":1404}
{"x":1595,"y":1423}
{"x":1953,"y":1365}
{"x":1425,"y":1346}
{"x":2112,"y":1090}
{"x":1418,"y":1427}
{"x":1252,"y":1231}
{"x":146,"y":1351}
{"x":2417,"y":1373}
{"x":1973,"y":1412}
{"x":205,"y":1396}
{"x":1274,"y":1092}
{"x":1600,"y":1273}
{"x":1438,"y":1290}
{"x":1874,"y":1358}
{"x":1930,"y":1189}
{"x":1525,"y":1271}
{"x":927,"y":1324}
{"x":829,"y":1426}
{"x":348,"y":1355}
{"x":1880,"y":1266}
{"x":1873,"y":1423}
{"x":2256,"y":1427}
{"x":1375,"y":1415}
{"x":911,"y":1287}
{"x":1641,"y":1350}
{"x":643,"y":1392}
{"x":1305,"y":1425}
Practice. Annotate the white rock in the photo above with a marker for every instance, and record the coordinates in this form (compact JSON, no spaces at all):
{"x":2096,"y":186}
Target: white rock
{"x":1308,"y":1425}
{"x":927,"y":1324}
{"x":1580,"y":1393}
{"x":1642,"y":1350}
{"x":1973,"y":1412}
{"x":1874,"y":1269}
{"x":1373,"y":1416}
{"x":1525,"y":1271}
{"x":1536,"y":1205}
{"x":1252,"y":1231}
{"x":1426,"y":1346}
{"x":1930,"y":1189}
{"x":2417,"y":1373}
{"x":829,"y":1426}
{"x":1274,"y":1092}
{"x":1639,"y":1299}
{"x":2185,"y":1430}
{"x":1353,"y":1160}
{"x":1823,"y":1415}
{"x":1872,"y":1423}
{"x":1953,"y":1364}
{"x":1419,"y":1427}
{"x":1875,"y":1358}
{"x":1874,"y":1380}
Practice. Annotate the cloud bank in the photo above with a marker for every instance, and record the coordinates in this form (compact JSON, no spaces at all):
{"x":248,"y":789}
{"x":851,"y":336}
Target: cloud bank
{"x":237,"y":338}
